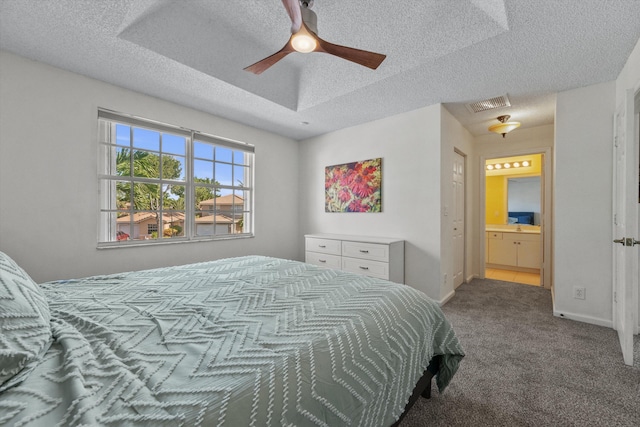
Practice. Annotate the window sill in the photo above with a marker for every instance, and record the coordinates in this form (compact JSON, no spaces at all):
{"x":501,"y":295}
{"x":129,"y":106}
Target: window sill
{"x":156,"y":242}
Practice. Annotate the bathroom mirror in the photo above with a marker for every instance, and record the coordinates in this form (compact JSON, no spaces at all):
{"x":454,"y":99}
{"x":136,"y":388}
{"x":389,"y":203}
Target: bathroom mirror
{"x":523,"y":195}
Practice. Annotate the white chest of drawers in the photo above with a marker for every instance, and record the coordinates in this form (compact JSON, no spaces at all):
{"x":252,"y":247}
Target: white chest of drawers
{"x":372,"y":256}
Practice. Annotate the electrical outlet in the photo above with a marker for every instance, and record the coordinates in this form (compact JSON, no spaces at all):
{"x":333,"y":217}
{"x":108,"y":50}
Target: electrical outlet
{"x":579,"y":292}
{"x":445,"y":278}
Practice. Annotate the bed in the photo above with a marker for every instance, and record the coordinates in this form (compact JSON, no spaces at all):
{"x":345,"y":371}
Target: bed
{"x":249,"y":341}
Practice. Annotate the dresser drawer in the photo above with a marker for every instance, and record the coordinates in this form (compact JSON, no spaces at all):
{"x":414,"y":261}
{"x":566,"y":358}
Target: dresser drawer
{"x":494,"y":235}
{"x":366,"y":267}
{"x":325,"y":246}
{"x":370,"y":251}
{"x":323,"y":260}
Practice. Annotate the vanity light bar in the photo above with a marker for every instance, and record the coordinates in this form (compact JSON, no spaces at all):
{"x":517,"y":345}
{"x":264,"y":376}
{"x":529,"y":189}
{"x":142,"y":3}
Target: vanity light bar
{"x":509,"y":165}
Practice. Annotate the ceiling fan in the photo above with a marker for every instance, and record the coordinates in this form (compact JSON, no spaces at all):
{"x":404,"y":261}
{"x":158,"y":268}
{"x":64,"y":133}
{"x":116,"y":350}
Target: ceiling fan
{"x":304,"y":38}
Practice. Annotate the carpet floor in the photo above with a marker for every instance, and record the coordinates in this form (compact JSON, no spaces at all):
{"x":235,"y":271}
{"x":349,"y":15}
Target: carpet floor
{"x":525,"y":367}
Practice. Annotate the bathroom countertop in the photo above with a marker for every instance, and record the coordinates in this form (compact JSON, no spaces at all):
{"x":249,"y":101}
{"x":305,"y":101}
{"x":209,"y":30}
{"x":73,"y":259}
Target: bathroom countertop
{"x":512,"y":229}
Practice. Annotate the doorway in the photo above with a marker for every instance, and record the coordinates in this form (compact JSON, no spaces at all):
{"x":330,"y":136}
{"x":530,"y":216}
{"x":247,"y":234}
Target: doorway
{"x":515,"y":220}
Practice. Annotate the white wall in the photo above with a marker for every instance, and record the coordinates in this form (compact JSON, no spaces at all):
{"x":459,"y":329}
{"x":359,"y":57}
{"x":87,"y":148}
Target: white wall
{"x":409,"y":145}
{"x":583,"y":218}
{"x":48,"y":182}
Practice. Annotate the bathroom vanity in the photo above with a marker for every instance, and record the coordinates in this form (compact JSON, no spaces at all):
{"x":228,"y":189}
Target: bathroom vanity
{"x":513,"y":248}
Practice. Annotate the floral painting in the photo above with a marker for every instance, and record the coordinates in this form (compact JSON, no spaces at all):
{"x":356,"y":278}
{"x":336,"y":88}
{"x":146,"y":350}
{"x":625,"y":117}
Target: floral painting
{"x":354,"y":187}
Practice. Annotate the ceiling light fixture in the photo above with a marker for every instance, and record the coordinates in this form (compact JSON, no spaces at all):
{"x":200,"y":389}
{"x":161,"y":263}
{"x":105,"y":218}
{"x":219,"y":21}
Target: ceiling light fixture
{"x":303,"y":43}
{"x":505,"y":126}
{"x":507,"y":165}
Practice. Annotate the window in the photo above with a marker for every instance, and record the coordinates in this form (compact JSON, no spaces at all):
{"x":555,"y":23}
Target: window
{"x":161,"y":183}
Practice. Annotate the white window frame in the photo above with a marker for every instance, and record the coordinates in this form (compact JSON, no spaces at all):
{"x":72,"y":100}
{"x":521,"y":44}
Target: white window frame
{"x":107,"y":178}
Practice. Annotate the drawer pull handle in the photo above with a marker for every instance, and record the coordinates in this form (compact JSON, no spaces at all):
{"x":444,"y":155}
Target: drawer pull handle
{"x":322,"y":246}
{"x":322,"y":260}
{"x":364,"y":268}
{"x":364,"y":251}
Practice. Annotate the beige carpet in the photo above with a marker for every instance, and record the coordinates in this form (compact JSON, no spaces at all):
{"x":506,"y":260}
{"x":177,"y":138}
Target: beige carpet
{"x":525,"y":367}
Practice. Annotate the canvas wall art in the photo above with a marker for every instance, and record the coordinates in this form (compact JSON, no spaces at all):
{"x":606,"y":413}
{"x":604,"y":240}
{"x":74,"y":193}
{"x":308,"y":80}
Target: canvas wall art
{"x":354,"y":187}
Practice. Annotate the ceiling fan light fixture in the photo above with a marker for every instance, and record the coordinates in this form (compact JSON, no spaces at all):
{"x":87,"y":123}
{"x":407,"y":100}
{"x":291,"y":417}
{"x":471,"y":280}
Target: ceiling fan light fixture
{"x":305,"y":39}
{"x":303,"y":43}
{"x":505,"y":126}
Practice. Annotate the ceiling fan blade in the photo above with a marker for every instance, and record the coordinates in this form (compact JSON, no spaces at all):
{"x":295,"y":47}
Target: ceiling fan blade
{"x":293,"y":9}
{"x":267,"y":62}
{"x":363,"y":57}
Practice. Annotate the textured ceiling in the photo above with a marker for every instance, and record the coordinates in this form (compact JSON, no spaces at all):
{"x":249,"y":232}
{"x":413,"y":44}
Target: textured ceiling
{"x":453,"y":52}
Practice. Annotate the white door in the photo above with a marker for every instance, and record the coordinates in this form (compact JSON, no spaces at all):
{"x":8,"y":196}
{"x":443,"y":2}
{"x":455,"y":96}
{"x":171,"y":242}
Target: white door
{"x":625,"y":225}
{"x":458,"y":219}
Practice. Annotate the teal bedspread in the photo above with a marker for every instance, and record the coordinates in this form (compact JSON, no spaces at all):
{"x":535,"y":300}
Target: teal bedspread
{"x":250,"y":341}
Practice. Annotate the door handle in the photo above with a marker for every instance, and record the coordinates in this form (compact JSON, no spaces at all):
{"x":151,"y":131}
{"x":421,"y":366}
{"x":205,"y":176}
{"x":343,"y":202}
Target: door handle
{"x":627,"y":241}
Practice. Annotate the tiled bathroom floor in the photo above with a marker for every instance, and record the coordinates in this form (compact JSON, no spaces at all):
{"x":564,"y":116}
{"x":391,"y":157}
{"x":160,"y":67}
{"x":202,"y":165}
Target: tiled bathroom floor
{"x":513,"y":276}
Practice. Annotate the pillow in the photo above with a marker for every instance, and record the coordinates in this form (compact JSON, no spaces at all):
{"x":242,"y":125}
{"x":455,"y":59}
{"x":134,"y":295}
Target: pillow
{"x":25,"y":333}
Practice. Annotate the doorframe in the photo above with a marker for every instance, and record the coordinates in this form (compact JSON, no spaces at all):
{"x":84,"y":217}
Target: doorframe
{"x":636,"y":291}
{"x":547,"y":206}
{"x":465,"y":279}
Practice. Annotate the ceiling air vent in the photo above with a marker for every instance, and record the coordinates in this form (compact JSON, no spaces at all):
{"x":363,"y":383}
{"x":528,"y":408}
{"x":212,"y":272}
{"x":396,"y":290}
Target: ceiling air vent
{"x":489,"y":104}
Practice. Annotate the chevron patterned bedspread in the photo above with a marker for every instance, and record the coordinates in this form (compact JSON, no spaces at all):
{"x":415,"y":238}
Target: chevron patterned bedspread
{"x":250,"y":341}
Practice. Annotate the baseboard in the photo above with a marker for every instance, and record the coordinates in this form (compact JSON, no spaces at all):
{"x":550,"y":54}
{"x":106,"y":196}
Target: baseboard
{"x":446,"y":299}
{"x":582,"y":318}
{"x":471,"y":277}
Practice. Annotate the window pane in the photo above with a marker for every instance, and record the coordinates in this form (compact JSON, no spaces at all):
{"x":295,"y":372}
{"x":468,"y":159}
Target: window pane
{"x":223,"y":174}
{"x":223,"y":225}
{"x":173,"y":167}
{"x":202,"y":150}
{"x":204,"y":226}
{"x":146,"y":164}
{"x":240,"y":157}
{"x":149,"y":224}
{"x":122,"y":194}
{"x":173,"y":144}
{"x":173,"y":224}
{"x":146,"y":196}
{"x":224,"y":154}
{"x":203,"y":169}
{"x":123,"y":135}
{"x":122,"y":162}
{"x":204,"y":198}
{"x":239,"y":176}
{"x":173,"y":197}
{"x":146,"y":139}
{"x":124,"y":227}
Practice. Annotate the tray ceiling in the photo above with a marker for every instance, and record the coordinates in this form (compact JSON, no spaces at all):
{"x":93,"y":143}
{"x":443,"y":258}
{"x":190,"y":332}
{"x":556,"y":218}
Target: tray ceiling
{"x":193,"y":52}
